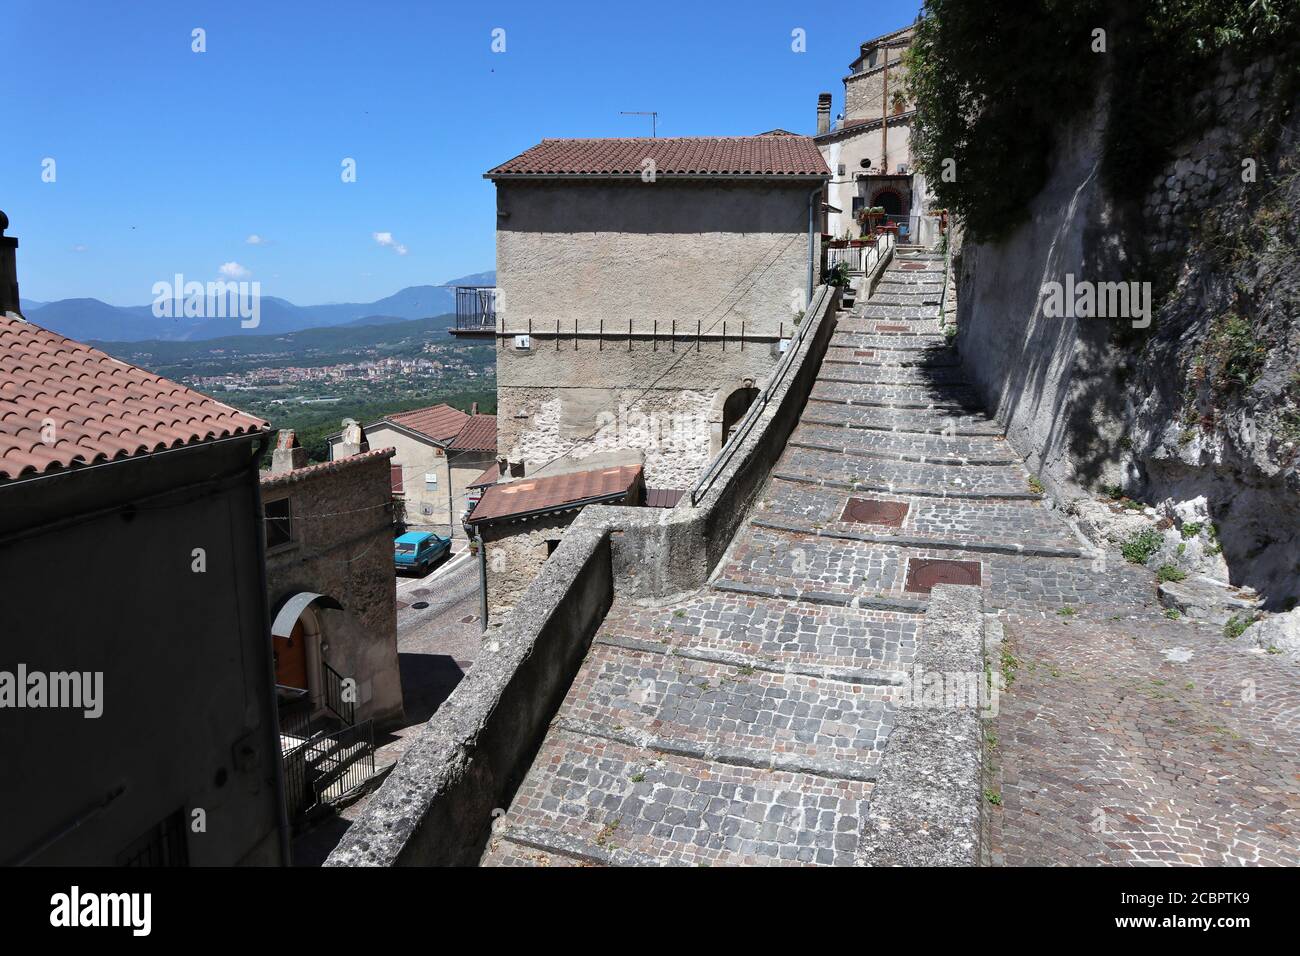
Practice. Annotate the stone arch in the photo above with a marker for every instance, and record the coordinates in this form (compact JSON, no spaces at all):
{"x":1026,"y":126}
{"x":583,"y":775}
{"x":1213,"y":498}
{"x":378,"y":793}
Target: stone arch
{"x":729,"y":406}
{"x":891,"y":199}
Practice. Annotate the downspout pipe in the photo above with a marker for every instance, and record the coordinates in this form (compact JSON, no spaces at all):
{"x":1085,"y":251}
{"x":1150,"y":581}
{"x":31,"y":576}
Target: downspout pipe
{"x":812,"y":209}
{"x":482,"y":579}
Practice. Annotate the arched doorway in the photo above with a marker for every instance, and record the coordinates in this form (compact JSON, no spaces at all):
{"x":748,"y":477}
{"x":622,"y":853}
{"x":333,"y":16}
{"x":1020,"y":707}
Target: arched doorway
{"x":890,"y":201}
{"x":296,"y":646}
{"x":734,"y":408}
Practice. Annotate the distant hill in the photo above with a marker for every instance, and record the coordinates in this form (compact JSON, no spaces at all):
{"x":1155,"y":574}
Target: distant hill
{"x":91,"y":319}
{"x":330,"y":339}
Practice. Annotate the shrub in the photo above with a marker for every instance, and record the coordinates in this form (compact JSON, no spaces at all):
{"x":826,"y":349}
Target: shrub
{"x":1170,"y":572}
{"x":1191,"y":529}
{"x":1139,"y":548}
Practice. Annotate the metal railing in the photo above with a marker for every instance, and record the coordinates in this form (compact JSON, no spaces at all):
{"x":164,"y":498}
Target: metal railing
{"x":759,"y":404}
{"x":943,"y":290}
{"x":476,"y":308}
{"x":328,"y":765}
{"x":336,"y":687}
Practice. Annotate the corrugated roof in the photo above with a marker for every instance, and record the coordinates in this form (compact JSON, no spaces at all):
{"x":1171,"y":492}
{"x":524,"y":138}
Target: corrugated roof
{"x":439,"y":422}
{"x":96,"y":408}
{"x":760,"y":157}
{"x":527,"y":496}
{"x":478,"y":434}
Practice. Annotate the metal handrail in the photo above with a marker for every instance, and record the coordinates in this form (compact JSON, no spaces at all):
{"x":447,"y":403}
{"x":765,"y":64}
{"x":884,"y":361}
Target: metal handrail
{"x":943,"y":291}
{"x":759,"y":404}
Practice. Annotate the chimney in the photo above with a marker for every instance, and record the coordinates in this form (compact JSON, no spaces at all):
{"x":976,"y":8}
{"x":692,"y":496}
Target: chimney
{"x":353,"y":441}
{"x":823,"y":113}
{"x":8,"y":270}
{"x":473,"y":408}
{"x":288,"y":454}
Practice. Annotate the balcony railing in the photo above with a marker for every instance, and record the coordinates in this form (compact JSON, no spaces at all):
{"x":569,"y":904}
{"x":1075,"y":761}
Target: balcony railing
{"x":476,"y":308}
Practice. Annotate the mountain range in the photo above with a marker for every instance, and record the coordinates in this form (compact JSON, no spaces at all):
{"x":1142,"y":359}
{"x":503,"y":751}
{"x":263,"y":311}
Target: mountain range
{"x":91,"y":319}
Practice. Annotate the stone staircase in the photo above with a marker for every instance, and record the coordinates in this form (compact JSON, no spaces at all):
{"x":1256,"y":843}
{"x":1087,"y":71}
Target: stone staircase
{"x":745,"y":724}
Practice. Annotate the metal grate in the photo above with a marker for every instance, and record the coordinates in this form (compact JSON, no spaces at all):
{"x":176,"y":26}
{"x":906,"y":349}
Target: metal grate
{"x":924,"y":573}
{"x":875,"y":511}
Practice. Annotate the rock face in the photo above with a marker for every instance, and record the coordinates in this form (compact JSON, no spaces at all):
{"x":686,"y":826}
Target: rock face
{"x":1277,"y":634}
{"x":1197,"y":416}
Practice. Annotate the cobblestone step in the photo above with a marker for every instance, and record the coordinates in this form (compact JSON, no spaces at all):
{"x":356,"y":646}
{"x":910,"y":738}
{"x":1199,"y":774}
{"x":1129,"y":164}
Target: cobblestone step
{"x":878,"y":373}
{"x":941,"y":480}
{"x":892,"y":446}
{"x":895,"y":488}
{"x":866,"y":336}
{"x":603,"y":802}
{"x":760,"y":632}
{"x":876,"y":572}
{"x":731,"y":715}
{"x":920,"y":300}
{"x":955,"y":522}
{"x":935,"y":358}
{"x":909,"y":421}
{"x":902,"y":312}
{"x":835,"y":389}
{"x":842,"y":531}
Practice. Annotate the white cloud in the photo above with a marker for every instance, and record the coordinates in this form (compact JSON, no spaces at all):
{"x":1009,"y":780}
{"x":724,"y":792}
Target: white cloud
{"x":256,"y":240}
{"x":386,"y":240}
{"x":80,"y":247}
{"x":233,"y":270}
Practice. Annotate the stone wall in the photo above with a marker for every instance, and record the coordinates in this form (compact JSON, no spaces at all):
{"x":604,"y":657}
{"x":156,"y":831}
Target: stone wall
{"x":515,"y":554}
{"x":863,"y":91}
{"x":595,"y":399}
{"x":343,"y":548}
{"x":638,"y":252}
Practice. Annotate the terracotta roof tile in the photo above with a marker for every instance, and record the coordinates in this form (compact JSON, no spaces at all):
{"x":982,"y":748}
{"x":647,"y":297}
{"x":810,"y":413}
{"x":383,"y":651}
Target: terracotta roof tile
{"x":479,"y":434}
{"x":439,"y":422}
{"x":526,"y":496}
{"x":747,"y":156}
{"x":491,"y":475}
{"x":100,"y":409}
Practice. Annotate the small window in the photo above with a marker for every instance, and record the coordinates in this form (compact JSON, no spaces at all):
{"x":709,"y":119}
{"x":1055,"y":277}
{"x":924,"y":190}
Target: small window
{"x":431,"y":481}
{"x":395,"y":478}
{"x":279,"y":523}
{"x":161,"y":845}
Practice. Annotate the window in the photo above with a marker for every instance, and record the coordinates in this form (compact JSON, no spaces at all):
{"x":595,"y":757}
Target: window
{"x":431,"y":481}
{"x":395,"y":478}
{"x":857,"y":206}
{"x":278,"y":522}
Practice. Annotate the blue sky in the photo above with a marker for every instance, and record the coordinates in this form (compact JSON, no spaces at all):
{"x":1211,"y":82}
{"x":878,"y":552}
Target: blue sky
{"x":167,"y":160}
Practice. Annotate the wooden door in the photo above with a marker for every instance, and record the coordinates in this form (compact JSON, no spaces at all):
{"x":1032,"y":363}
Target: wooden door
{"x":291,"y":658}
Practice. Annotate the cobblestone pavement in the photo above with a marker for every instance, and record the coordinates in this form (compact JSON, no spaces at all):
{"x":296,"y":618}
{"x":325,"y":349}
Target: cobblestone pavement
{"x":745,"y":723}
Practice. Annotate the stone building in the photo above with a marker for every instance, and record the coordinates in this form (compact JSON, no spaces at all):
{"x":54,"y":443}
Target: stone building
{"x":131,"y":556}
{"x":439,"y":451}
{"x":645,"y":287}
{"x":329,"y":577}
{"x":868,"y":147}
{"x":520,"y":522}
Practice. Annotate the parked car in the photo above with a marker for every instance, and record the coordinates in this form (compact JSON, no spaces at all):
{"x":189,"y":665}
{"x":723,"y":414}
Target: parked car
{"x":418,"y":550}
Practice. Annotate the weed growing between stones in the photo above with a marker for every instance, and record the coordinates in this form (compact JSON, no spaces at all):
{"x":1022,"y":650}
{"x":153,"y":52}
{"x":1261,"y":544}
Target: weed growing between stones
{"x":1170,"y":572}
{"x":1139,"y":548}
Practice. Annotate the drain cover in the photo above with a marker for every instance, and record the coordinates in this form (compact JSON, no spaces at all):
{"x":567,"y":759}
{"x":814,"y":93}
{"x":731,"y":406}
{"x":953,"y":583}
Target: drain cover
{"x":864,"y":354}
{"x":875,"y":511}
{"x":420,"y":605}
{"x":891,"y":328}
{"x":925,"y":573}
{"x":914,"y":266}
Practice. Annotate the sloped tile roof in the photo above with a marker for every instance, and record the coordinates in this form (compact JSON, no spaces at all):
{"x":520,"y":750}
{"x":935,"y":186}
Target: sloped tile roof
{"x":331,"y":467}
{"x":479,"y":434}
{"x":439,"y":422}
{"x":759,"y":157}
{"x":526,"y":496}
{"x":100,"y":409}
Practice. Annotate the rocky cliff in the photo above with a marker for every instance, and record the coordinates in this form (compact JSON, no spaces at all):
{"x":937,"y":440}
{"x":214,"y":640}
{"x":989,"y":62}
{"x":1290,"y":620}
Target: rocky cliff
{"x":1193,"y":420}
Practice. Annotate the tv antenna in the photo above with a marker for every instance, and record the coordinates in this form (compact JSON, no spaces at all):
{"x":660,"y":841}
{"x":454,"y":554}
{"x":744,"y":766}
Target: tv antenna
{"x":654,"y":118}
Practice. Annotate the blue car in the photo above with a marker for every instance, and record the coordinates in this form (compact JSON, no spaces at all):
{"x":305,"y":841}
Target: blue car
{"x":418,"y":550}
